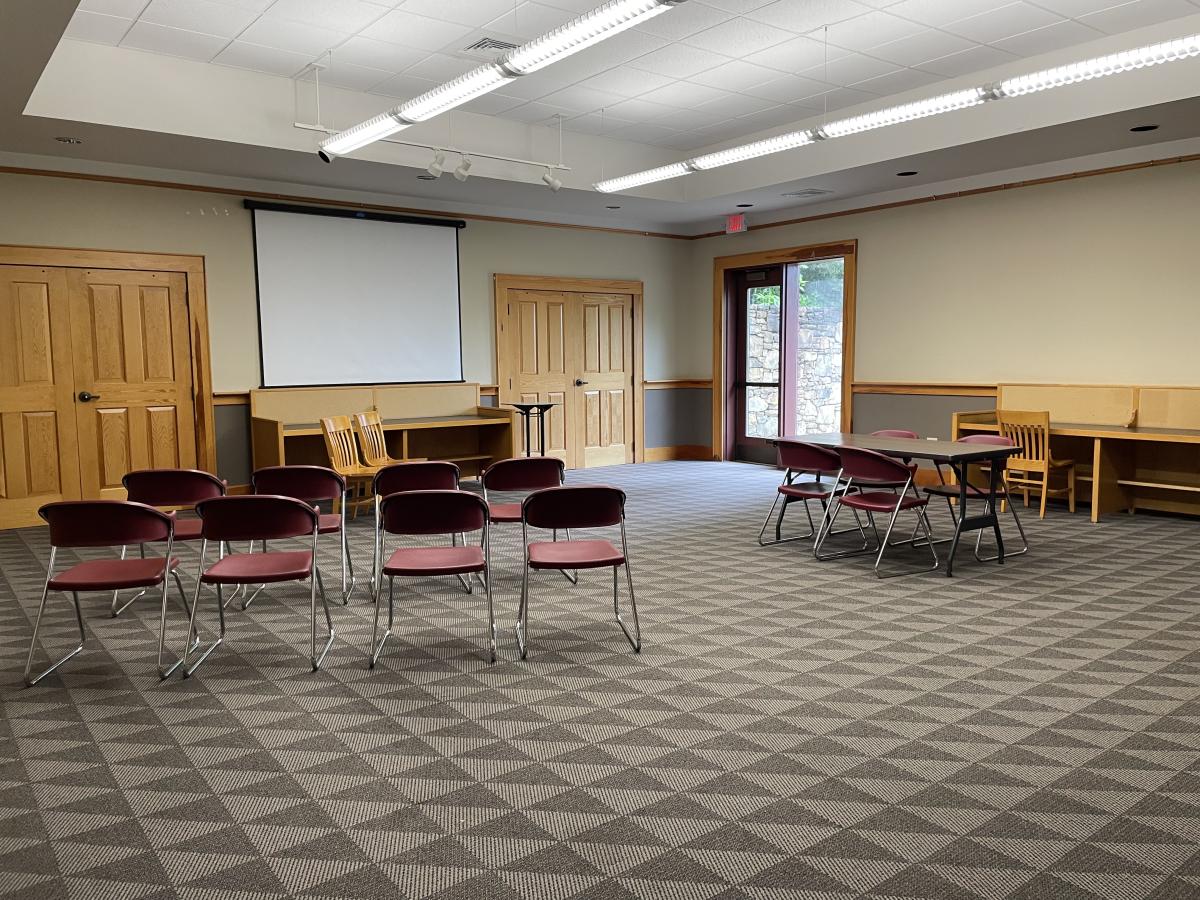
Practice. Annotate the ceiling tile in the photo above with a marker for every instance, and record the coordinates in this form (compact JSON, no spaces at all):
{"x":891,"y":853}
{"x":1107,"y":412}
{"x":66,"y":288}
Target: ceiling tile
{"x":403,"y":86}
{"x":899,"y":81}
{"x":1003,"y":22}
{"x":810,"y":15}
{"x":581,"y":99}
{"x":691,"y":119}
{"x":97,"y":28}
{"x":130,"y":9}
{"x":685,"y":94}
{"x":595,"y":123}
{"x":788,"y":89}
{"x":685,"y":20}
{"x":682,"y":140}
{"x":297,"y":37}
{"x":643,"y":134}
{"x":339,"y":15}
{"x":966,"y":61}
{"x":1066,"y":33}
{"x":638,"y":110}
{"x":535,"y":113}
{"x":475,"y":13}
{"x":940,"y":12}
{"x":740,"y":7}
{"x":627,"y":82}
{"x":1138,"y":14}
{"x":736,"y":33}
{"x":677,"y":61}
{"x":1079,"y":7}
{"x":917,"y":48}
{"x":849,"y":69}
{"x":352,"y":77}
{"x":401,"y":27}
{"x":491,"y":104}
{"x":204,"y":16}
{"x":735,"y":75}
{"x":732,"y":105}
{"x":173,"y":41}
{"x":440,"y":67}
{"x":245,"y":55}
{"x":871,"y":30}
{"x":840,"y":98}
{"x":362,"y":51}
{"x":530,"y":20}
{"x":795,"y":55}
{"x":768,"y":118}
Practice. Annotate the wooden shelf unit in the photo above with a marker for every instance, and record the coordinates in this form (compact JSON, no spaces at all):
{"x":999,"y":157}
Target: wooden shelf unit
{"x":427,"y":421}
{"x":1137,"y":447}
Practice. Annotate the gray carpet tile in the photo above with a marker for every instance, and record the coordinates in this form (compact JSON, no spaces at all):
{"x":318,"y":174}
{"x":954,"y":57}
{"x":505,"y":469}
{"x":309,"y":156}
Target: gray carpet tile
{"x":791,"y":729}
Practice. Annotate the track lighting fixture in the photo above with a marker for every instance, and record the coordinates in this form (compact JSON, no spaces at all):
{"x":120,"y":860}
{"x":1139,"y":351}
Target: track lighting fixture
{"x":551,"y":182}
{"x":463,"y":172}
{"x":438,"y":166}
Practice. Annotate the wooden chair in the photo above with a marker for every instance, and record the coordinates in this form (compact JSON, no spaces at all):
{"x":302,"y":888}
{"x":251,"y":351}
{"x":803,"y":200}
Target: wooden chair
{"x":344,"y":459}
{"x":372,"y":439}
{"x":1033,"y":469}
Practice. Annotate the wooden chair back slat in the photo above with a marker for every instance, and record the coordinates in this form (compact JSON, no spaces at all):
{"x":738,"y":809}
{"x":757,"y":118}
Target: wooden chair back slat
{"x":340,"y":443}
{"x":1029,"y":430}
{"x":372,"y":438}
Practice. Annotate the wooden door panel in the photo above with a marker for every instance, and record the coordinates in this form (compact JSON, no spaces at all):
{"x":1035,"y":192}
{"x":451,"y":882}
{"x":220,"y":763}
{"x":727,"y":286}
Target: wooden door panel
{"x":538,"y":324}
{"x":37,"y":425}
{"x":606,"y":360}
{"x":132,"y":350}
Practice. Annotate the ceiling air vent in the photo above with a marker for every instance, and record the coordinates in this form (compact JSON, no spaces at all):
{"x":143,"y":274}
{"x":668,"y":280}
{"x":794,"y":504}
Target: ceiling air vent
{"x":488,"y":48}
{"x":807,"y":193}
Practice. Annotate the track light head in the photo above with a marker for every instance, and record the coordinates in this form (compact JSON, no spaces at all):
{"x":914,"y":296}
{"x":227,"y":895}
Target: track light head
{"x":551,"y":182}
{"x":463,"y":172}
{"x":325,"y":156}
{"x":438,"y":166}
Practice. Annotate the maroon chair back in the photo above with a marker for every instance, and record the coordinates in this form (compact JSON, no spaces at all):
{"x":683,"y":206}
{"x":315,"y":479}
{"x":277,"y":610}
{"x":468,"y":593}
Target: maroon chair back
{"x":896,"y":433}
{"x":997,"y":440}
{"x":867,"y":465}
{"x":256,"y":517}
{"x":525,"y":473}
{"x":104,"y":523}
{"x":574,"y":506}
{"x":804,"y":457}
{"x":308,"y":483}
{"x":432,"y":512}
{"x":172,"y":487}
{"x":430,"y":475}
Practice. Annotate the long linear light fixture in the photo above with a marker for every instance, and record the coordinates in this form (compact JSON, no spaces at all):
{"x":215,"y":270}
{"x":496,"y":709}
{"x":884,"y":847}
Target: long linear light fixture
{"x":600,"y":24}
{"x":1097,"y":67}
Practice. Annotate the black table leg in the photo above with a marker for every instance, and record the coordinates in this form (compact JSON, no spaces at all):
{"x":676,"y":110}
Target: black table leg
{"x":528,"y":449}
{"x":961,"y":472}
{"x":993,"y":485}
{"x":541,"y":432}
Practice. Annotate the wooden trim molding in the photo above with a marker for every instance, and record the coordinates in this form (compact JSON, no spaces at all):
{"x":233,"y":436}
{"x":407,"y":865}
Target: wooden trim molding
{"x":683,"y":451}
{"x":232,"y":398}
{"x":722,"y":265}
{"x":924,"y":389}
{"x":192,"y":268}
{"x":674,"y":383}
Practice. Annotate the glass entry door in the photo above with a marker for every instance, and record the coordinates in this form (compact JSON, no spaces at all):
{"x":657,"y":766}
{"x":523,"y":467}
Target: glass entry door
{"x":759,"y":350}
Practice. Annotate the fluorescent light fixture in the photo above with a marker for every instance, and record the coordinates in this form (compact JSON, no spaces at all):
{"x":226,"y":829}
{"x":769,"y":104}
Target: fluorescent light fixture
{"x":750,"y":151}
{"x":463,"y":172}
{"x":584,"y":31}
{"x":906,"y":112}
{"x":1098,"y":67}
{"x":1113,"y":63}
{"x":662,"y":173}
{"x":590,"y":28}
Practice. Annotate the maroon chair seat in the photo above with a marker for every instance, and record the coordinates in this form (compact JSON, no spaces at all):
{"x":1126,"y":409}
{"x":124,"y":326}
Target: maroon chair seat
{"x":112,"y":574}
{"x":312,"y":484}
{"x":421,"y":561}
{"x":574,"y":555}
{"x":77,"y":524}
{"x":432,"y":513}
{"x":260,"y":518}
{"x":881,"y":501}
{"x":561,"y":509}
{"x":807,"y":490}
{"x":504,"y":512}
{"x":260,"y":568}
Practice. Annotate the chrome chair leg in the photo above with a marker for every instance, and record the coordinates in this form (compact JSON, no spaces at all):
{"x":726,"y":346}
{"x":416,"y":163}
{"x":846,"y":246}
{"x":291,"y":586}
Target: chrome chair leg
{"x":189,"y":670}
{"x":635,"y":639}
{"x":492,"y":644}
{"x":1012,"y":508}
{"x":573,"y":575}
{"x":522,"y":627}
{"x":117,"y":610}
{"x":377,"y":647}
{"x":317,"y":584}
{"x":245,"y":588}
{"x":193,"y":638}
{"x":30,"y":682}
{"x":923,"y":524}
{"x":467,"y":582}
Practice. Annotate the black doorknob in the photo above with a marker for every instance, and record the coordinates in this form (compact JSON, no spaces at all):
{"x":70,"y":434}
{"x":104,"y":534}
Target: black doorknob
{"x":85,"y":397}
{"x":579,"y":382}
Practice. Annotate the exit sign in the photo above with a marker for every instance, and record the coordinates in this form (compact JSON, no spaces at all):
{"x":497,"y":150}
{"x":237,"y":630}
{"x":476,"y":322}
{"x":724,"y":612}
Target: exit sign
{"x":735,"y":223}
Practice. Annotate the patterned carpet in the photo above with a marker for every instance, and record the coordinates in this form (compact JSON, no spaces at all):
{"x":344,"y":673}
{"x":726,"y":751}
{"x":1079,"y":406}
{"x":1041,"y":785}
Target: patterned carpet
{"x":790,"y":729}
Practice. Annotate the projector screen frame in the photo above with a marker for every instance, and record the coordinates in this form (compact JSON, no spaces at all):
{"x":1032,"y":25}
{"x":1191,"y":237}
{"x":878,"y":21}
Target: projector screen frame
{"x":350,"y":212}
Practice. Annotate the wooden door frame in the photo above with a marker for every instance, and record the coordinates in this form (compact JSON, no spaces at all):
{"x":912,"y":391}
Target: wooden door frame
{"x":503,"y":283}
{"x":192,"y":268}
{"x":722,"y":267}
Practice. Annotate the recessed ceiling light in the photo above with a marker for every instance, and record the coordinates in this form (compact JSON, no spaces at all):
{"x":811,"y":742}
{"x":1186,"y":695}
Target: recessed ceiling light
{"x":908,"y":174}
{"x":426,"y":177}
{"x":612,"y":207}
{"x":1139,"y":128}
{"x":744,"y":205}
{"x":69,"y":140}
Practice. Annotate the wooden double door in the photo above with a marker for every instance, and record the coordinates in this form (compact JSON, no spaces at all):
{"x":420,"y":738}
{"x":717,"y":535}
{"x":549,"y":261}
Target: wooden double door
{"x":95,"y":381}
{"x":574,"y":349}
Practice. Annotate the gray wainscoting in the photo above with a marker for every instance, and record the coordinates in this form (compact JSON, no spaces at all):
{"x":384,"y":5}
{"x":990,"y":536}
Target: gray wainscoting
{"x":678,"y":417}
{"x":927,"y":415}
{"x":233,"y":443}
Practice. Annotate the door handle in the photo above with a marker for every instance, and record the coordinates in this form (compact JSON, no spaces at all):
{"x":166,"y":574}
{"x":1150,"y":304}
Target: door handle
{"x":579,"y":382}
{"x":85,"y":397}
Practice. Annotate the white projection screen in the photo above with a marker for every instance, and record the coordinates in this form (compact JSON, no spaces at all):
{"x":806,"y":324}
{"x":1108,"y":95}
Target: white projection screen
{"x":356,"y":298}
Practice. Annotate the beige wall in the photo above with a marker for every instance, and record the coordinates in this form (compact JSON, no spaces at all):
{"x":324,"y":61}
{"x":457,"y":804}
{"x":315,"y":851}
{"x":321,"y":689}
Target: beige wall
{"x":100,"y":215}
{"x":1090,"y":280}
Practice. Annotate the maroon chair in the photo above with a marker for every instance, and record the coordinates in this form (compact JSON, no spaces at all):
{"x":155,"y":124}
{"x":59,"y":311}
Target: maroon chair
{"x":797,"y":459}
{"x":260,"y":517}
{"x":432,"y":513}
{"x":312,"y":484}
{"x":522,"y":474}
{"x":77,"y":524}
{"x":169,"y":489}
{"x":866,"y":475}
{"x":951,"y":493}
{"x":418,"y":475}
{"x":896,"y":433}
{"x":575,"y":506}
